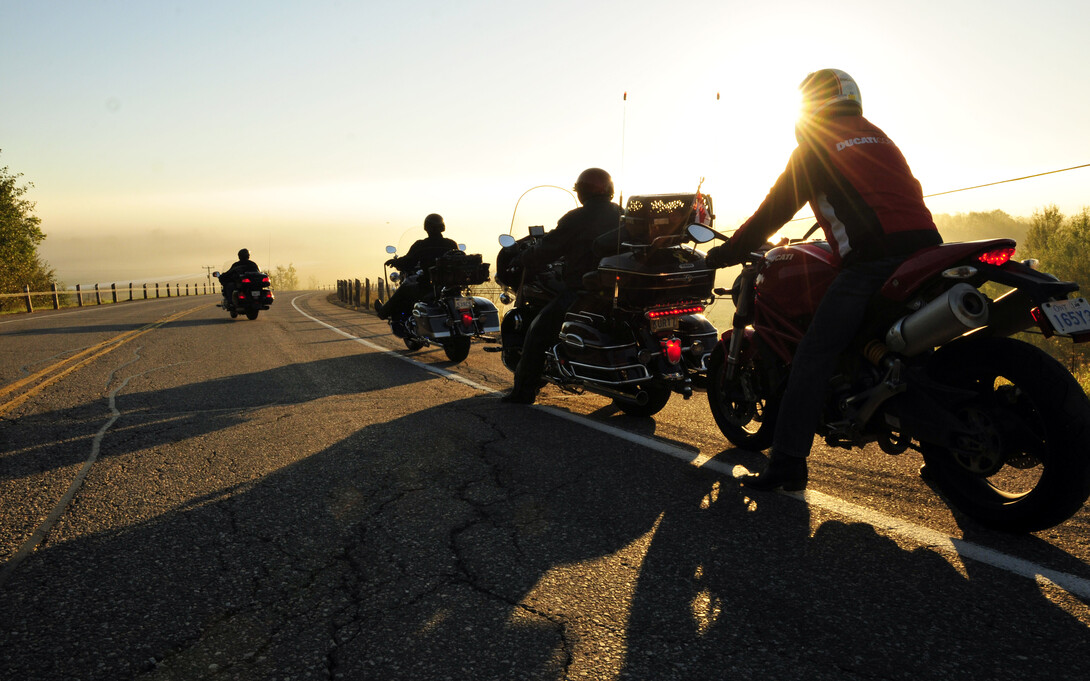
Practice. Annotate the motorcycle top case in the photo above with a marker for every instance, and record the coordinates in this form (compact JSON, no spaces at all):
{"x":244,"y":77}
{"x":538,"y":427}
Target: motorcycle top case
{"x":459,"y":269}
{"x":660,"y":220}
{"x":656,"y":277}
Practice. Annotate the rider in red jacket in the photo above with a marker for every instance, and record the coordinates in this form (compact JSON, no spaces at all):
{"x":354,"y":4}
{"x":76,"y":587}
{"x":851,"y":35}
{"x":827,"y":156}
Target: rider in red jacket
{"x":871,"y":209}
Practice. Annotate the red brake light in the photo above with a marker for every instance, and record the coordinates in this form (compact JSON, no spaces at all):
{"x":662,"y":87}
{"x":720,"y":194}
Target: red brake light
{"x":467,"y":319}
{"x":997,"y":257}
{"x":672,"y":348}
{"x":669,"y":312}
{"x":246,"y":280}
{"x":264,"y":280}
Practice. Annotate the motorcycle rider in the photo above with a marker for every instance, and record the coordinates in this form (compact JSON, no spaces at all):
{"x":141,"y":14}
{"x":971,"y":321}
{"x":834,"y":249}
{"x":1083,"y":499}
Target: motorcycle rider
{"x":422,"y":255}
{"x":872,"y":212}
{"x":229,"y":279}
{"x":573,"y":241}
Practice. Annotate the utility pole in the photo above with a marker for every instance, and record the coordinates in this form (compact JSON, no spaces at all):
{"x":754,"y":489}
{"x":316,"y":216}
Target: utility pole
{"x":208,"y":273}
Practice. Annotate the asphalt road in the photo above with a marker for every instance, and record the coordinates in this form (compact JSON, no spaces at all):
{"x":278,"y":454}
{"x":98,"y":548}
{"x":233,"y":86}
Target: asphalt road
{"x":298,"y":497}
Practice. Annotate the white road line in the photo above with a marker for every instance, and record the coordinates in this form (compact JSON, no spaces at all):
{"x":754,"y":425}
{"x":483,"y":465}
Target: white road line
{"x":932,"y":539}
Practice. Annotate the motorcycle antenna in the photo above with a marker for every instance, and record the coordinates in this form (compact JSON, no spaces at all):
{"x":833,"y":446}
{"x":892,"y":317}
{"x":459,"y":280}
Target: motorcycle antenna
{"x":624,"y":123}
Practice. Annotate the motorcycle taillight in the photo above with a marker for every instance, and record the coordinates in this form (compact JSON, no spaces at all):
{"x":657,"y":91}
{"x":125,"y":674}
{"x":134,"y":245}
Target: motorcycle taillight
{"x":467,"y":319}
{"x":671,"y":347}
{"x":996,"y":257}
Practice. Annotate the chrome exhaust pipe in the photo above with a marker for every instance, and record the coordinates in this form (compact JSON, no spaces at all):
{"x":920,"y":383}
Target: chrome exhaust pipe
{"x":961,"y":309}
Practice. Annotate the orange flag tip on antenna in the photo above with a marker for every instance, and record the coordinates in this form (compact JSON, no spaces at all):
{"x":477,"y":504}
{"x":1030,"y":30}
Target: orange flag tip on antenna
{"x":626,"y":96}
{"x":717,"y":96}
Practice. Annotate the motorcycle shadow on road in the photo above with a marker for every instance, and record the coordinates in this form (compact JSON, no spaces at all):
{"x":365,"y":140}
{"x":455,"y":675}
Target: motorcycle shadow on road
{"x":457,"y":541}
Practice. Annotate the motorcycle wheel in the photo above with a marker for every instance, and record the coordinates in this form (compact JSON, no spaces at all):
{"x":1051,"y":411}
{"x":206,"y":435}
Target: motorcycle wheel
{"x":233,"y":314}
{"x":744,"y":417}
{"x":1028,"y":468}
{"x":457,"y":348}
{"x":657,"y":397}
{"x":251,"y":314}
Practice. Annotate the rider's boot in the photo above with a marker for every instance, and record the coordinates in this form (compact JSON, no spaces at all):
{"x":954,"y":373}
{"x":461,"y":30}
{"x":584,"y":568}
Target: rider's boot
{"x":787,"y":472}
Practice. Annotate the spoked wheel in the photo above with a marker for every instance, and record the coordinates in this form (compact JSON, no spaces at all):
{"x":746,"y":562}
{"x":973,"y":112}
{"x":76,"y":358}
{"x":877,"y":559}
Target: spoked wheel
{"x":1022,"y":463}
{"x":457,"y":348}
{"x":743,"y":414}
{"x":657,"y":397}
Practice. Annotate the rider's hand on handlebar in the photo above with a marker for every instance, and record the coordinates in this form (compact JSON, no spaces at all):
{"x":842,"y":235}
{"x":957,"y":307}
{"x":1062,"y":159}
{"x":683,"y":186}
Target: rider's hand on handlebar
{"x":726,"y":255}
{"x":390,"y":262}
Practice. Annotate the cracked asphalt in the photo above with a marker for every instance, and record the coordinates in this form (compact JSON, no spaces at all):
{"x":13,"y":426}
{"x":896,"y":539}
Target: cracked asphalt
{"x":272,"y":500}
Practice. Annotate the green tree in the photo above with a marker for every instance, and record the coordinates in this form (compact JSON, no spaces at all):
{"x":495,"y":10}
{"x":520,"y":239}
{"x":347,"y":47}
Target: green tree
{"x":284,"y":279}
{"x":20,"y":234}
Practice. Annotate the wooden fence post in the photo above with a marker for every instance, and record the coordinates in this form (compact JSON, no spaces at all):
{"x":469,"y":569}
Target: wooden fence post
{"x":145,"y":290}
{"x":29,"y":304}
{"x":79,"y":295}
{"x":367,"y":293}
{"x":56,"y":298}
{"x":98,"y":296}
{"x":130,"y":290}
{"x":156,"y":289}
{"x":113,"y":291}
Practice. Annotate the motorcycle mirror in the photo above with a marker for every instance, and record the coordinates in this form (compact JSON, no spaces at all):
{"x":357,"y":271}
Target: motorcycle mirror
{"x":701,"y":234}
{"x":216,"y":273}
{"x":461,"y":247}
{"x":391,"y":249}
{"x":537,"y":231}
{"x":394,"y":276}
{"x":507,"y":241}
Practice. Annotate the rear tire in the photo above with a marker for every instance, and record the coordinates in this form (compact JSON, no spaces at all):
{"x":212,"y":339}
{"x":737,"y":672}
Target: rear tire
{"x":251,"y":314}
{"x":457,"y":348}
{"x":746,"y":417}
{"x":1028,"y":466}
{"x":657,"y":397}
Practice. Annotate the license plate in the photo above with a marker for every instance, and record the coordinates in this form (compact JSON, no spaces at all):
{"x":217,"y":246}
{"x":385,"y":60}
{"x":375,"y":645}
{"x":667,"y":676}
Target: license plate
{"x":255,"y":294}
{"x":463,"y":304}
{"x":664,"y":324}
{"x":1068,"y":317}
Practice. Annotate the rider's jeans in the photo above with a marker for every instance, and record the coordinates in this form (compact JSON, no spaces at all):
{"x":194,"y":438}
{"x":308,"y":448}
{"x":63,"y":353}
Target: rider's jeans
{"x":838,"y":318}
{"x":542,"y":333}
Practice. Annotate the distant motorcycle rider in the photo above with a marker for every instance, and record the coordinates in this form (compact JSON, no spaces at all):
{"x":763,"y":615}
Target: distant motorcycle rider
{"x":872,"y":211}
{"x":573,"y":241}
{"x":422,"y":255}
{"x":229,"y":280}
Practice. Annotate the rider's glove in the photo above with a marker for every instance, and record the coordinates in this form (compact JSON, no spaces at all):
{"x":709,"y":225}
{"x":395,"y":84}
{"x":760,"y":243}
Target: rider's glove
{"x":726,"y":255}
{"x":390,"y":262}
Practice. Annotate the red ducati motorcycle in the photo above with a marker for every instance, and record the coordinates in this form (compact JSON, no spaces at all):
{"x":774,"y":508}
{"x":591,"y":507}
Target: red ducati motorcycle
{"x":1004,"y":429}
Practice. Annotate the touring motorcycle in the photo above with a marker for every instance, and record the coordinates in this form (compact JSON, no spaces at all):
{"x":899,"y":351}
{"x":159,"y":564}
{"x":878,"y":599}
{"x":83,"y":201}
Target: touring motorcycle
{"x":448,"y":316}
{"x":638,"y":334}
{"x":250,"y":295}
{"x":1003,"y":428}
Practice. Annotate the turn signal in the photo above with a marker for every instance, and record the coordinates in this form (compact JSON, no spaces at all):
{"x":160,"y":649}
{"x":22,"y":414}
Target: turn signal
{"x":672,"y":349}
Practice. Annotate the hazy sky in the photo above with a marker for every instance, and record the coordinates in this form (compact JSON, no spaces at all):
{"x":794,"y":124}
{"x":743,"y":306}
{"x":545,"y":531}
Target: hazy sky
{"x":161,"y":137}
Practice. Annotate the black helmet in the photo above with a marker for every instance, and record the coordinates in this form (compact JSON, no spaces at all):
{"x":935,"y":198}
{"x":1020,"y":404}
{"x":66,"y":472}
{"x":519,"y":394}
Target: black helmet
{"x":828,"y":88}
{"x":244,"y":254}
{"x":433,"y":224}
{"x":594,"y":182}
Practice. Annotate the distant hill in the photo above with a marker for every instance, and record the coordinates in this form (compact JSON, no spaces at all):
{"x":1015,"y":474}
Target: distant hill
{"x":973,"y":226}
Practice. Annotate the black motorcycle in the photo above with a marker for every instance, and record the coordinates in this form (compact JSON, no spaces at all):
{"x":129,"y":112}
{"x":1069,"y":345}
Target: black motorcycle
{"x":248,"y":294}
{"x":447,"y":315}
{"x":638,"y":334}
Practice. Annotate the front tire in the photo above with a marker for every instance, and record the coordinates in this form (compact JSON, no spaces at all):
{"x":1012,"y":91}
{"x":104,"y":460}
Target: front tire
{"x":745,"y":415}
{"x":1026,"y":465}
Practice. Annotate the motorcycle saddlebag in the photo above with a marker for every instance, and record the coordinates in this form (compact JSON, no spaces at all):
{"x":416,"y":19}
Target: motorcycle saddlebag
{"x":431,"y":320}
{"x":595,"y":355}
{"x":488,"y":315}
{"x":656,"y":277}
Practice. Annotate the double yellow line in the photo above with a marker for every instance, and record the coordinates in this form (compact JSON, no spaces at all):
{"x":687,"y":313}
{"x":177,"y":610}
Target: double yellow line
{"x":58,"y":370}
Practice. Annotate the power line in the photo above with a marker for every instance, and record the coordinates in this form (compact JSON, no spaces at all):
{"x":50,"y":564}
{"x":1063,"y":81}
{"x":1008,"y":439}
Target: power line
{"x":1016,"y":179}
{"x":990,"y":184}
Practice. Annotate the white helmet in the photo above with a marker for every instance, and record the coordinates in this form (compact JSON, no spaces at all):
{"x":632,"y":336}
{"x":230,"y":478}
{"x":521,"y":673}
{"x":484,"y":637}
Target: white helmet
{"x":822,"y":89}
